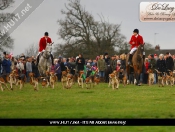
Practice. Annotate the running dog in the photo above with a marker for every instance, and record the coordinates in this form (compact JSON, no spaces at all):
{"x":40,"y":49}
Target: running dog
{"x":80,"y":78}
{"x":53,"y":79}
{"x":161,"y":78}
{"x":150,"y":77}
{"x":64,"y":79}
{"x":33,"y":81}
{"x":113,"y":81}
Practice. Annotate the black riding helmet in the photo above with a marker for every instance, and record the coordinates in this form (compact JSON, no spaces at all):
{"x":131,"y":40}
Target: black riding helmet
{"x":136,"y":31}
{"x":46,"y":34}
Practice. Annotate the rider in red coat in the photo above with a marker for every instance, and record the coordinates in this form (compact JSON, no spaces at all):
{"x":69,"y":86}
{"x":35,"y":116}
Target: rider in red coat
{"x":42,"y":45}
{"x":135,"y":41}
{"x":43,"y":41}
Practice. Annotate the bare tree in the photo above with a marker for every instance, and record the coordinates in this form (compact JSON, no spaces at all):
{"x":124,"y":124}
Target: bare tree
{"x":5,"y":4}
{"x":32,"y":50}
{"x":80,"y":30}
{"x":5,"y":43}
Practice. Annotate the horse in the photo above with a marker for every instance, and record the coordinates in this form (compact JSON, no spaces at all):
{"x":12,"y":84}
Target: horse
{"x":44,"y":60}
{"x":137,"y":63}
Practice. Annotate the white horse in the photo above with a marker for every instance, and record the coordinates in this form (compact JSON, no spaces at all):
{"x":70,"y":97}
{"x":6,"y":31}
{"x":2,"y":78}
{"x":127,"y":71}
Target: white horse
{"x":44,"y":60}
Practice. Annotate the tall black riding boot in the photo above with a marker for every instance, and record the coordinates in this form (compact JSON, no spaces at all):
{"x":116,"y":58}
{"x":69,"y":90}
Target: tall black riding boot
{"x":143,"y":58}
{"x":130,"y":59}
{"x":52,"y":59}
{"x":37,"y":59}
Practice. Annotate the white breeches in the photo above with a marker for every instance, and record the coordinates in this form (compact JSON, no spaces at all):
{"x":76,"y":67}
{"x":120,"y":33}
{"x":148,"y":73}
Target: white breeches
{"x":132,"y":50}
{"x":42,"y":51}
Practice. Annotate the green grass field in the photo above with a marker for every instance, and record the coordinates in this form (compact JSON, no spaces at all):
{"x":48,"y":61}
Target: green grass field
{"x":98,"y":102}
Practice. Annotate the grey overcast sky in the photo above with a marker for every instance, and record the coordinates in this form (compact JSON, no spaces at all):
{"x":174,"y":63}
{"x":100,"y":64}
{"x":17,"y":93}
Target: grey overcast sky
{"x":45,"y":17}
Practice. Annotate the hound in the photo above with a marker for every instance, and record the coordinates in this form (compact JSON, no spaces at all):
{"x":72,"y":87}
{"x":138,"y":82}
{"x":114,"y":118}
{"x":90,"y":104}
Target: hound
{"x":21,"y":79}
{"x":2,"y":82}
{"x":150,"y":76}
{"x":52,"y":79}
{"x":122,"y":77}
{"x":110,"y":79}
{"x":12,"y":78}
{"x":44,"y":82}
{"x":170,"y":78}
{"x":64,"y":79}
{"x":96,"y":80}
{"x":113,"y":81}
{"x":80,"y":78}
{"x":33,"y":81}
{"x":161,"y":78}
{"x":69,"y":80}
{"x":89,"y":81}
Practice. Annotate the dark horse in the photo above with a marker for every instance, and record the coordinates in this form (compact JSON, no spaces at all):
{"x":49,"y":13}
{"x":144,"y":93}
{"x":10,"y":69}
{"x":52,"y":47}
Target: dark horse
{"x":137,"y":63}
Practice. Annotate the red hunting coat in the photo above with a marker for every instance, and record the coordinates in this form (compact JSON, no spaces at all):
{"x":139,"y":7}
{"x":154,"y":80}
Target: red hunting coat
{"x":42,"y":43}
{"x":138,"y":41}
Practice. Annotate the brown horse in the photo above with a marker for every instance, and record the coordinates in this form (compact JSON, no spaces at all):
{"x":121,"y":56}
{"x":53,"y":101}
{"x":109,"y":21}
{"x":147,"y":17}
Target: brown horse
{"x":137,"y":63}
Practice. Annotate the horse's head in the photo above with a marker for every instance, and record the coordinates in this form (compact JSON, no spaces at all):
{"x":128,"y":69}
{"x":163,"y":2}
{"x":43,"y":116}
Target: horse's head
{"x":48,"y":49}
{"x":141,"y":48}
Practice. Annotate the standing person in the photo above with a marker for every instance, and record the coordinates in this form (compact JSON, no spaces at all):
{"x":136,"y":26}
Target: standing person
{"x":135,"y":41}
{"x":146,"y":63}
{"x":6,"y":63}
{"x":63,"y":68}
{"x":52,"y":68}
{"x":169,"y":62}
{"x":113,"y":63}
{"x":80,"y":62}
{"x":28,"y":68}
{"x":58,"y":69}
{"x":42,"y":45}
{"x":174,"y":61}
{"x":72,"y":65}
{"x":0,"y":65}
{"x":35,"y":68}
{"x":107,"y":59}
{"x":108,"y":69}
{"x":22,"y":56}
{"x":24,"y":63}
{"x":20,"y":66}
{"x":152,"y":66}
{"x":101,"y":67}
{"x":161,"y":65}
{"x":13,"y":61}
{"x":156,"y":57}
{"x":88,"y":69}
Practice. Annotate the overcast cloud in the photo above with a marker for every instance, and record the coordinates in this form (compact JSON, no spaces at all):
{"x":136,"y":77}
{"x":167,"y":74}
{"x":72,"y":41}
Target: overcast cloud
{"x":45,"y":17}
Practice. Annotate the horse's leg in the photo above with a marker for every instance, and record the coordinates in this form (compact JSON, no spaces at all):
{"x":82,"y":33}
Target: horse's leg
{"x":127,"y":74}
{"x":136,"y":78}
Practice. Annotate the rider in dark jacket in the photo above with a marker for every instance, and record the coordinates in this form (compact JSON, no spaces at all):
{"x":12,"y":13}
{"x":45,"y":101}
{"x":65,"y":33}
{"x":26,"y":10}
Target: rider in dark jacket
{"x":161,"y":65}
